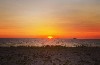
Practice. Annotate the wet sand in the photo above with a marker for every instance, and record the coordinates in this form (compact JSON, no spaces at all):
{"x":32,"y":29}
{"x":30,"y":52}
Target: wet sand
{"x":55,"y":55}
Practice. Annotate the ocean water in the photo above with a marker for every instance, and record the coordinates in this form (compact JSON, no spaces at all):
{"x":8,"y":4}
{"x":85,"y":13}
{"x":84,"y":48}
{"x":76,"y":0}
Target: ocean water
{"x":7,"y":42}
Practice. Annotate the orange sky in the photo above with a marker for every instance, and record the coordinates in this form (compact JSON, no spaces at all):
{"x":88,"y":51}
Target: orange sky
{"x":40,"y":18}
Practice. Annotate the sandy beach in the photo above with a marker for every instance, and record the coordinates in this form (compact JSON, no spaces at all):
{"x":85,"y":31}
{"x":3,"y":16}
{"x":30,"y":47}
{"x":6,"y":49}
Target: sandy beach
{"x":54,"y":55}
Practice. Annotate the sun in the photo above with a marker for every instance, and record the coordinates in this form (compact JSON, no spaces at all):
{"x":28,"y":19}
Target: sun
{"x":50,"y":37}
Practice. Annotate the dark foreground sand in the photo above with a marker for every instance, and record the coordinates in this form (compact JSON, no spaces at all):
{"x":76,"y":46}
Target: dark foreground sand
{"x":49,"y":55}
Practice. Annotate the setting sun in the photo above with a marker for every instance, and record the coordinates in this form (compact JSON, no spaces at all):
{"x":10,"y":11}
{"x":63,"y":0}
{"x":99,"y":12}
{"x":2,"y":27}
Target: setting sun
{"x":50,"y":19}
{"x":50,"y":37}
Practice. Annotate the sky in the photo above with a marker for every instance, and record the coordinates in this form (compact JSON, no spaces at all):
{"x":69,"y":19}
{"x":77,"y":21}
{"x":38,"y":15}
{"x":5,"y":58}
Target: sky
{"x":59,"y":18}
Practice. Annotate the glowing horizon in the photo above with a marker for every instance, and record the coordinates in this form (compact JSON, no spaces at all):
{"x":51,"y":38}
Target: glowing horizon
{"x":40,"y":18}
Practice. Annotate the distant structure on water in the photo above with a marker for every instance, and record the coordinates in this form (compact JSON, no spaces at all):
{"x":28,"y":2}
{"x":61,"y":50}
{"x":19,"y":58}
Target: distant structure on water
{"x":74,"y":38}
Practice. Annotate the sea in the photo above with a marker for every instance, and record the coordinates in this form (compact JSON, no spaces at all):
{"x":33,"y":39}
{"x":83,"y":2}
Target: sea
{"x":8,"y":42}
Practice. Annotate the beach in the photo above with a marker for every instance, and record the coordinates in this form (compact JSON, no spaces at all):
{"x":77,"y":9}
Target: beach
{"x":49,"y":55}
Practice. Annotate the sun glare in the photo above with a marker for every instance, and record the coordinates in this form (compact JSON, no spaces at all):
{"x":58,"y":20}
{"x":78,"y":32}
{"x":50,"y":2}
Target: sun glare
{"x":50,"y":37}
